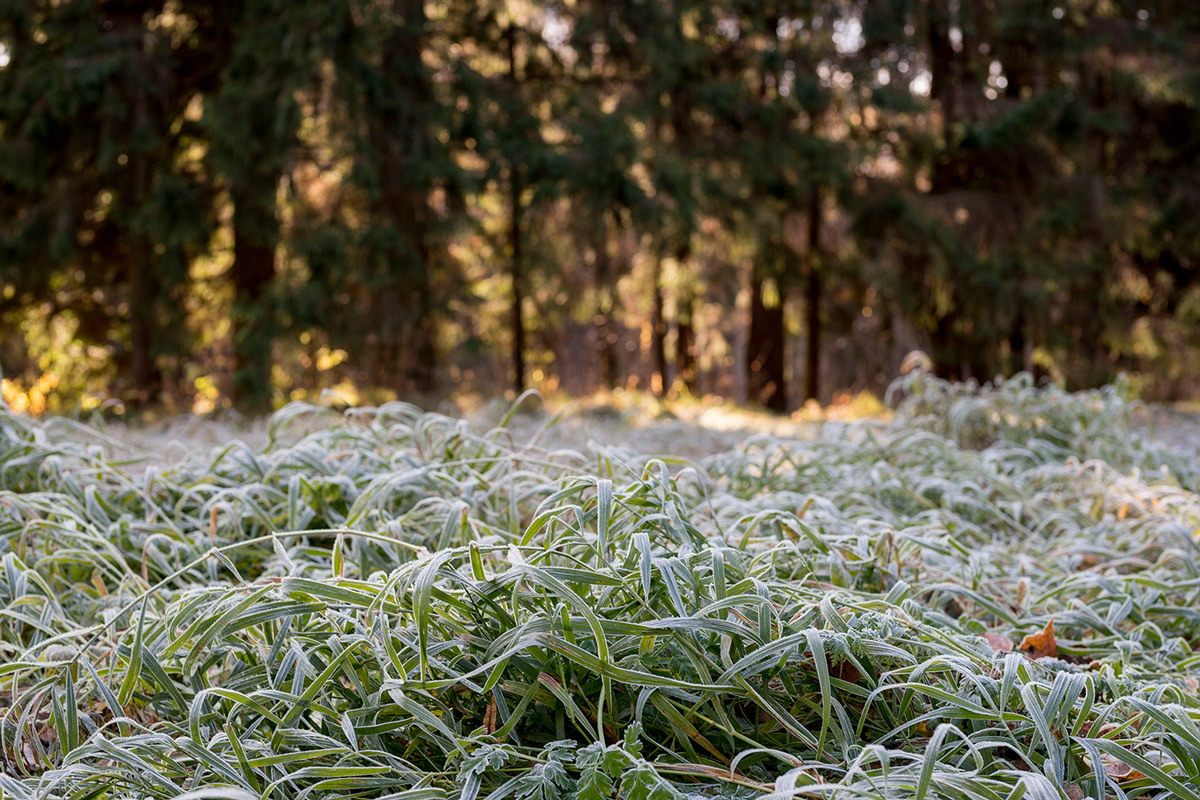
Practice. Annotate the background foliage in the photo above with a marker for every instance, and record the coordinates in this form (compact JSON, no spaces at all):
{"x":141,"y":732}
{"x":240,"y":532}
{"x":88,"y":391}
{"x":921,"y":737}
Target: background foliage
{"x":204,"y":204}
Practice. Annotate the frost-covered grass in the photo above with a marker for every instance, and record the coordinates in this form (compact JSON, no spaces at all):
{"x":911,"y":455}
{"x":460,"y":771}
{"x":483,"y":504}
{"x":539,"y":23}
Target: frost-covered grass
{"x":394,"y":606}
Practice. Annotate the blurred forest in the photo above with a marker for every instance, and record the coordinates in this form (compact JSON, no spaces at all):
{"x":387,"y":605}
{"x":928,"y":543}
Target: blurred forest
{"x":241,"y":203}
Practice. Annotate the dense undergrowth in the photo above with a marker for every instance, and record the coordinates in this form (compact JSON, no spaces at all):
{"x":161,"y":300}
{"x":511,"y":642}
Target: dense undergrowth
{"x":390,"y":605}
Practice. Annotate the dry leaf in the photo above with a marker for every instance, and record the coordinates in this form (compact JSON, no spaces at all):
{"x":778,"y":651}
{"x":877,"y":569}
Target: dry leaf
{"x":489,"y":716}
{"x":1089,"y":729}
{"x":1000,"y":644}
{"x":1075,"y":792}
{"x":1041,"y":645}
{"x":845,"y":671}
{"x":1119,"y":770}
{"x":1192,"y":685}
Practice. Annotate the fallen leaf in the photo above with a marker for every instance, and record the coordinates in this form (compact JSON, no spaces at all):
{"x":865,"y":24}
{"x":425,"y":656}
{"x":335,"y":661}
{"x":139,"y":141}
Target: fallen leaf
{"x":1192,"y":685}
{"x":1119,"y":770}
{"x":1040,"y":645}
{"x":844,"y":671}
{"x":1089,"y":729}
{"x":1075,"y":792}
{"x":489,"y":716}
{"x":1000,"y":644}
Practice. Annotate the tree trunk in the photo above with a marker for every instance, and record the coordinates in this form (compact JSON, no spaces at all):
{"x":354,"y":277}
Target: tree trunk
{"x":812,"y":323}
{"x":812,"y":300}
{"x":659,"y":334}
{"x":685,"y":343}
{"x":400,"y":138}
{"x":253,"y":315}
{"x":944,"y":92}
{"x":518,"y":281}
{"x":942,"y":338}
{"x":942,"y":88}
{"x":516,"y":186}
{"x":606,"y":334}
{"x":144,"y":374}
{"x":765,"y":383}
{"x":143,"y":281}
{"x":422,"y":369}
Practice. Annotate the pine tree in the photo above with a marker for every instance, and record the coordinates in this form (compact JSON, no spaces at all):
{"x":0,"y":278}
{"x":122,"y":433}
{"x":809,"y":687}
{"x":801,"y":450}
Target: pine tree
{"x":507,"y":83}
{"x":252,"y":120}
{"x":399,"y":118}
{"x":100,"y":216}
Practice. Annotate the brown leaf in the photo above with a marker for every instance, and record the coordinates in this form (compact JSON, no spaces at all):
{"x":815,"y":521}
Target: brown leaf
{"x":1192,"y":685}
{"x":1040,"y":645}
{"x":1089,"y":729}
{"x":489,"y":716}
{"x":1000,"y":644}
{"x":845,"y":671}
{"x":1075,"y":792}
{"x":1119,"y":770}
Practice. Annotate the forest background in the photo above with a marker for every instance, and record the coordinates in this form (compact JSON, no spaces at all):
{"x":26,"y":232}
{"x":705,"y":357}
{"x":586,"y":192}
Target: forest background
{"x":241,"y":203}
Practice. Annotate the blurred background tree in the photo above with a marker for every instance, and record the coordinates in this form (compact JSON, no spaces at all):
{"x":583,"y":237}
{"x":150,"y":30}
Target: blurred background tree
{"x":238,"y":204}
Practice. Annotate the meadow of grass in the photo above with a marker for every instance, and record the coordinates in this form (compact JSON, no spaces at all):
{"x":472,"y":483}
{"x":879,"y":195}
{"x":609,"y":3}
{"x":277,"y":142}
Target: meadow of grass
{"x":991,"y":595}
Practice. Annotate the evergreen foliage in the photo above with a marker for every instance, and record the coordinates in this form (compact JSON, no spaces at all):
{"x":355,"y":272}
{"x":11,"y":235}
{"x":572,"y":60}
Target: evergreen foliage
{"x":201,"y":203}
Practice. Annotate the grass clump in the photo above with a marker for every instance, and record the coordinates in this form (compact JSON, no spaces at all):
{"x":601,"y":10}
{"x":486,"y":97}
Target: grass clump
{"x":392,"y":605}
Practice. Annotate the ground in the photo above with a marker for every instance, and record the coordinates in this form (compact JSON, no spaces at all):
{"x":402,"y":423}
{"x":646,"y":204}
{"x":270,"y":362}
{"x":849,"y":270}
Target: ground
{"x":988,"y":593}
{"x":641,"y":424}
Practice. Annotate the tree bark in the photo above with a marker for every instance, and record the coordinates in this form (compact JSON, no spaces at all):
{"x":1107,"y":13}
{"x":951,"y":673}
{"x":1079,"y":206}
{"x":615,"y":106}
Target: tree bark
{"x":144,"y":373}
{"x":399,"y":138}
{"x":943,"y":91}
{"x":606,"y":334}
{"x":685,"y":343}
{"x":254,"y":231}
{"x":812,"y":300}
{"x":143,"y":280}
{"x":659,"y":333}
{"x":516,"y":186}
{"x":518,"y":281}
{"x":765,"y":381}
{"x":812,"y":347}
{"x":946,"y":364}
{"x":942,"y":88}
{"x":255,"y":235}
